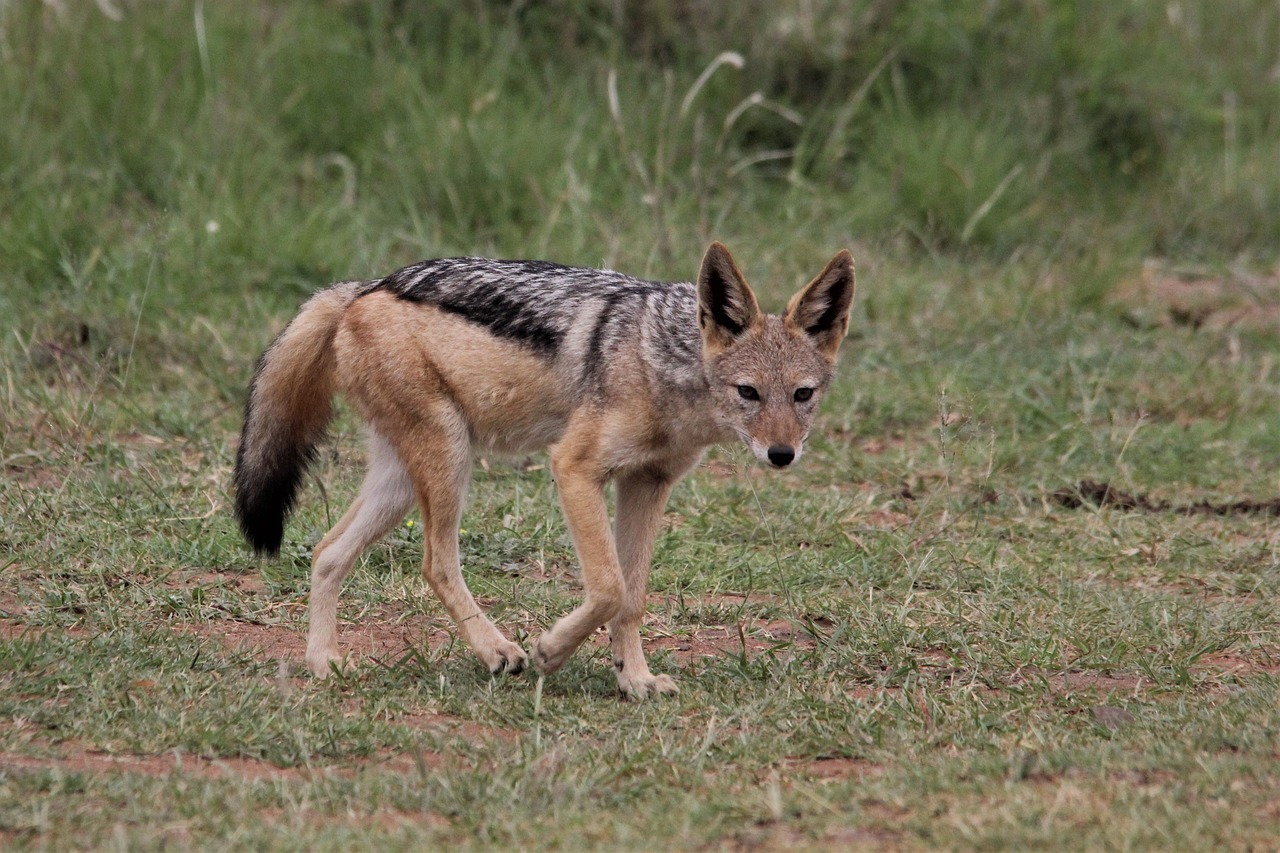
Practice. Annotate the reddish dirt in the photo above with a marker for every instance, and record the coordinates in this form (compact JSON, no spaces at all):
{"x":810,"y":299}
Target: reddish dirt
{"x":1227,"y":663}
{"x":711,"y":641}
{"x":387,"y":634}
{"x":11,"y":628}
{"x":35,"y":477}
{"x":73,"y":758}
{"x":76,"y":757}
{"x":374,"y":638}
{"x":834,"y":768}
{"x":880,"y":519}
{"x":770,"y":836}
{"x":251,"y":583}
{"x":1095,"y":494}
{"x":1168,"y":297}
{"x":882,"y":444}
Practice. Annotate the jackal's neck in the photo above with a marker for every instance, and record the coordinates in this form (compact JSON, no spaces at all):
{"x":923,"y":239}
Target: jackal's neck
{"x":671,"y":345}
{"x":671,"y":352}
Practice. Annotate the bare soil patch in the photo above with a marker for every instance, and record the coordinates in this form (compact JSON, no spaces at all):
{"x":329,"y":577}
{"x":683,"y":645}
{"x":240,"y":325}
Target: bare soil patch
{"x":250,"y":583}
{"x":1162,"y":296}
{"x":34,"y":476}
{"x":70,"y":759}
{"x":386,"y":635}
{"x":1230,"y":663}
{"x":12,"y":627}
{"x":882,"y":518}
{"x":751,"y":636}
{"x":379,"y":638}
{"x":833,"y":768}
{"x":769,"y":836}
{"x":1091,"y":493}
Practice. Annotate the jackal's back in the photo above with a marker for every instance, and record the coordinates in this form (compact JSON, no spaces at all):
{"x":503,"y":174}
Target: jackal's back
{"x":571,"y":315}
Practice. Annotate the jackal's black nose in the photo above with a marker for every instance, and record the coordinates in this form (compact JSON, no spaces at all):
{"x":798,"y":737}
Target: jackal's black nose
{"x":781,"y":455}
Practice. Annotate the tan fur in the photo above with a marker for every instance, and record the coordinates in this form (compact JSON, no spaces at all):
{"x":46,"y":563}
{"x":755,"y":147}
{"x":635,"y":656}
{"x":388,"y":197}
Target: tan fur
{"x":296,"y":381}
{"x":432,"y":386}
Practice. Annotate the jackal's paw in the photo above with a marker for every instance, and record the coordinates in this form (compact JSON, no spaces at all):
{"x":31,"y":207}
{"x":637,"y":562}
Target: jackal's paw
{"x":547,"y":656}
{"x":504,"y":657}
{"x":645,"y":686}
{"x":325,"y":663}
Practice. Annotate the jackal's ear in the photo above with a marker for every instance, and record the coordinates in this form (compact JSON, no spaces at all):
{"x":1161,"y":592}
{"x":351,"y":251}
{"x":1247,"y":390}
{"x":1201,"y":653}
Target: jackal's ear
{"x":821,"y":310}
{"x":726,"y":306}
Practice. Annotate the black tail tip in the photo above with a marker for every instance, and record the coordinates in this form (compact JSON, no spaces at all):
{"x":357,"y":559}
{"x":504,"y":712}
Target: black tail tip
{"x":264,"y":538}
{"x":263,"y":500}
{"x":261,"y":522}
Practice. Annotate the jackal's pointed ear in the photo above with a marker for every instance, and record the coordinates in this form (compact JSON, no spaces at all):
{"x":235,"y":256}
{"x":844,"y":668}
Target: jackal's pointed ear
{"x":726,"y":306}
{"x":821,"y":310}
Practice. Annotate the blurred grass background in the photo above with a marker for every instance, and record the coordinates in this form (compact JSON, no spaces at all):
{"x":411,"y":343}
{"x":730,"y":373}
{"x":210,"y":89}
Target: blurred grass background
{"x":176,"y":176}
{"x":333,"y":138}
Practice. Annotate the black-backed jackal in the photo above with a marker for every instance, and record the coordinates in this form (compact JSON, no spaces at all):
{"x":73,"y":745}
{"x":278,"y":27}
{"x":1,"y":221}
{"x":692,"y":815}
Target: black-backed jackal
{"x":621,"y":379}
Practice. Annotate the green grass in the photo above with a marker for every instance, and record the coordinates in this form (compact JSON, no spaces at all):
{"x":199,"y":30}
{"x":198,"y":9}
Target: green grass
{"x":907,"y":643}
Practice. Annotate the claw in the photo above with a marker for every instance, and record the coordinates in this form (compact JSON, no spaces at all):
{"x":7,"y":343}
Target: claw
{"x":542,"y":660}
{"x":507,"y":665}
{"x":509,"y":659}
{"x":640,"y":690}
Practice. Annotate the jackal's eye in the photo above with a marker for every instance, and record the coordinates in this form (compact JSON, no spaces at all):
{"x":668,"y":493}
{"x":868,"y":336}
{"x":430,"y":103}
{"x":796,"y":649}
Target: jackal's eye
{"x":748,"y":392}
{"x":803,"y":395}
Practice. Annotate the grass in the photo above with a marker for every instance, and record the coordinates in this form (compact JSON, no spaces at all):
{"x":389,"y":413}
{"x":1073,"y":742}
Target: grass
{"x":911,"y":642}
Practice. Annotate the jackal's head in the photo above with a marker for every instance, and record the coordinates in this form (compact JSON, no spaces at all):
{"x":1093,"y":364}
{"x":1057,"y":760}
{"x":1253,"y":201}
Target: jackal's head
{"x":767,"y":372}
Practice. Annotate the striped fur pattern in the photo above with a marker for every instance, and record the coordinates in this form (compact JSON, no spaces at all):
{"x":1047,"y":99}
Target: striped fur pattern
{"x":587,"y":313}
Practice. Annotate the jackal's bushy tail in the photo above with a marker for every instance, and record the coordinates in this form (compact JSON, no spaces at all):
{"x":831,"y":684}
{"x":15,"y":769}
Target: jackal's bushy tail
{"x":290,"y":403}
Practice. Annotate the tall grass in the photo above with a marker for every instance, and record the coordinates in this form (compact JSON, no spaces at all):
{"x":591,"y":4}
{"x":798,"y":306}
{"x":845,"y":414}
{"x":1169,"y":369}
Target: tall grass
{"x":321,"y":137}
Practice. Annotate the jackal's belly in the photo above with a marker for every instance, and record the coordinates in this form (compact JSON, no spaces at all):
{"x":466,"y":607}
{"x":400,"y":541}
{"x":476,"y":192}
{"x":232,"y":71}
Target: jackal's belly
{"x":513,"y":401}
{"x":512,"y":421}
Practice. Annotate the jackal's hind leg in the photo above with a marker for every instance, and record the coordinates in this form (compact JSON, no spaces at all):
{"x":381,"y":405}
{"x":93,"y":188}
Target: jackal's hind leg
{"x":438,"y":456}
{"x":384,"y":499}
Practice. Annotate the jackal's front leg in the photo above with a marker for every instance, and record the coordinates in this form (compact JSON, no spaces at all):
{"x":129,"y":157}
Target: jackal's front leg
{"x":581,"y":487}
{"x":641,"y":498}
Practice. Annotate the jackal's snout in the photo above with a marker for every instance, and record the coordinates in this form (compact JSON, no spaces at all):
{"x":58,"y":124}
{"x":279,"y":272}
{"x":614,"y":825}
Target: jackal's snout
{"x":780,"y":451}
{"x":781,"y":455}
